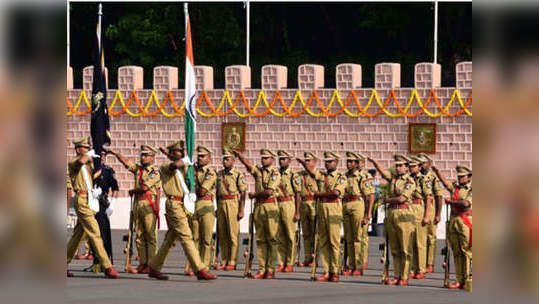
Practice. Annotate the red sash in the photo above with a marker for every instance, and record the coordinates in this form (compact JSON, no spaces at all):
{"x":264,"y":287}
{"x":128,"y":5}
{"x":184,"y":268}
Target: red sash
{"x":466,"y":221}
{"x":148,"y":196}
{"x":463,"y":215}
{"x":307,"y":185}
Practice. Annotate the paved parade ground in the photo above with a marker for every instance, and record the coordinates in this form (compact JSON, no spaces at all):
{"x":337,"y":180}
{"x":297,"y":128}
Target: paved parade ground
{"x":295,"y":287}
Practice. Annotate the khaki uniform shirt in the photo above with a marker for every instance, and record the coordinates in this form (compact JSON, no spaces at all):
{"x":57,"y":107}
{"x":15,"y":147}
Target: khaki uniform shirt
{"x":206,"y":178}
{"x":230,"y":183}
{"x":332,"y":181}
{"x":432,"y":184}
{"x":151,"y":177}
{"x":286,"y":188}
{"x":76,"y":177}
{"x":169,"y":180}
{"x":266,"y":178}
{"x":465,"y":193}
{"x":304,"y":184}
{"x":403,"y":185}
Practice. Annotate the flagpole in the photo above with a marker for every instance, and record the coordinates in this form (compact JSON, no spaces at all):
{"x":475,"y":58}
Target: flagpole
{"x":68,"y":34}
{"x":436,"y":31}
{"x":248,"y":32}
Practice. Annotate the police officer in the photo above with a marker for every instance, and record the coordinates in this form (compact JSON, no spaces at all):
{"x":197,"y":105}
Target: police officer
{"x":288,"y":214}
{"x":146,"y":191}
{"x":266,"y":210}
{"x":357,"y":211}
{"x":419,"y":206}
{"x":306,"y":186}
{"x":400,"y":218}
{"x":81,"y":175}
{"x":231,"y":189}
{"x":176,"y":215}
{"x":332,"y":186}
{"x":460,"y":223}
{"x":204,"y":217}
{"x":434,"y":206}
{"x":368,"y":197}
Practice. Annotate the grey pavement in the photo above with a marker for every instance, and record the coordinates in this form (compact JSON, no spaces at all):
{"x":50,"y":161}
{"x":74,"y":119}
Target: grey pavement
{"x":231,"y":287}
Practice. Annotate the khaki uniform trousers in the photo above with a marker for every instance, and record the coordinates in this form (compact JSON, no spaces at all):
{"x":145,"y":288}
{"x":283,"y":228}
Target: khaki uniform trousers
{"x":329,"y":235}
{"x":400,"y":228}
{"x":353,"y":213}
{"x":229,"y":230}
{"x":178,"y":228}
{"x":419,"y":245}
{"x":365,"y":244}
{"x":459,"y":237}
{"x":307,"y":212}
{"x":87,"y":225}
{"x":286,"y":234}
{"x":203,"y":224}
{"x":266,"y":217}
{"x":431,"y":236}
{"x":146,"y":228}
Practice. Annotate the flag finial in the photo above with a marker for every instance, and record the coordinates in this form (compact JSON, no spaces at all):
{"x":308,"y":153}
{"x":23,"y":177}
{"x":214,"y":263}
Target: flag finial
{"x":100,"y":9}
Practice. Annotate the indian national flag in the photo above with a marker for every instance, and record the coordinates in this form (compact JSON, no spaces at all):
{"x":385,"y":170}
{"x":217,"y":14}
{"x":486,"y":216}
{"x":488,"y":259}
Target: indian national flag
{"x":190,"y":98}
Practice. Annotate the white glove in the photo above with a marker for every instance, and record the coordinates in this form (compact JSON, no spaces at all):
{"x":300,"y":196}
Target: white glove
{"x":96,"y":192}
{"x":187,"y":161}
{"x":109,"y":210}
{"x":92,"y":154}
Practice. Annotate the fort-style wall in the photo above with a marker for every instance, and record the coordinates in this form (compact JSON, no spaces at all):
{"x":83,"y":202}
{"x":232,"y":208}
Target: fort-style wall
{"x":377,"y":133}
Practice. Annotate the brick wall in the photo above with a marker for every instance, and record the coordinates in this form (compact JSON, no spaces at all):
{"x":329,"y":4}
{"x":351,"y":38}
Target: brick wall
{"x":378,"y":137}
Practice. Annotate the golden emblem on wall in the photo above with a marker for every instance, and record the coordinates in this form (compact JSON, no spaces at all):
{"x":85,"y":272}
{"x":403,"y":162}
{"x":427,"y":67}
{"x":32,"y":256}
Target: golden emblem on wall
{"x":233,"y":135}
{"x":422,"y":138}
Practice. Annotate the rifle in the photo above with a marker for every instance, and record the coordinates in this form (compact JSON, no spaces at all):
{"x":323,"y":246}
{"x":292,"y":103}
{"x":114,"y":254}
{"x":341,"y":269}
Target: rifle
{"x":314,"y":245}
{"x":129,"y":238}
{"x":298,"y":244}
{"x":446,"y":251}
{"x":250,"y":245}
{"x":214,"y":255}
{"x":384,"y":247}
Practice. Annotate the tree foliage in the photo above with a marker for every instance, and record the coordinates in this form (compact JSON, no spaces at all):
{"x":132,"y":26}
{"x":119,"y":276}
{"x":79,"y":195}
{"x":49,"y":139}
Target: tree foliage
{"x":290,"y":34}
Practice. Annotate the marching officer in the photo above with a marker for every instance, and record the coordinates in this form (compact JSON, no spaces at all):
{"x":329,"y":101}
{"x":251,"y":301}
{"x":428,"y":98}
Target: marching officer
{"x":288,"y":214}
{"x":231,"y":189}
{"x":419,"y":207}
{"x":400,"y":218}
{"x":176,"y":215}
{"x":146,"y":192}
{"x":434,"y":206}
{"x":81,"y":176}
{"x":306,"y":186}
{"x":357,"y":211}
{"x":460,"y":224}
{"x":266,"y":210}
{"x":204,"y":216}
{"x":332,"y":186}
